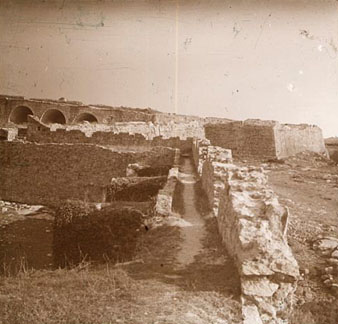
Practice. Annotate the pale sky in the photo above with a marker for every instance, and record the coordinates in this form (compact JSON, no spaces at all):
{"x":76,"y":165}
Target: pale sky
{"x":274,"y":59}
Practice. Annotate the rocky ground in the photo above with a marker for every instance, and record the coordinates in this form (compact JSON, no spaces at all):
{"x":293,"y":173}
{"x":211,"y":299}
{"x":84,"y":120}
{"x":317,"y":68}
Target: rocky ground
{"x":308,"y":185}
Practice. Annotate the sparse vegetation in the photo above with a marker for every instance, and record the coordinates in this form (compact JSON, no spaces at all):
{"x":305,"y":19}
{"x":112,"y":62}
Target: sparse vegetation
{"x":152,"y":290}
{"x":77,"y":296}
{"x":96,"y":235}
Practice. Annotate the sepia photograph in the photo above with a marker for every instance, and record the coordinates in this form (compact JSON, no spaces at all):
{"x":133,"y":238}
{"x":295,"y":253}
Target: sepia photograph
{"x":168,"y":161}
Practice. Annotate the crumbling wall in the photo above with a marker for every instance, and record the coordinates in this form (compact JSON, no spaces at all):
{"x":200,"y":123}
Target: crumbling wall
{"x":212,"y":178}
{"x":132,"y":135}
{"x":251,"y":138}
{"x":253,"y":227}
{"x":206,"y":158}
{"x":199,"y":153}
{"x":47,"y":173}
{"x":293,"y":139}
{"x":213,"y":160}
{"x":164,"y":199}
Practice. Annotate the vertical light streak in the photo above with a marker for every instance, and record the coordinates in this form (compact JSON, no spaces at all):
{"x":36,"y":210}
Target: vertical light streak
{"x":176,"y":58}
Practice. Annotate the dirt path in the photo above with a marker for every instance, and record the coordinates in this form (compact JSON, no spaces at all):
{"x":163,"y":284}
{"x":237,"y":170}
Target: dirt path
{"x":187,"y":276}
{"x":192,"y":235}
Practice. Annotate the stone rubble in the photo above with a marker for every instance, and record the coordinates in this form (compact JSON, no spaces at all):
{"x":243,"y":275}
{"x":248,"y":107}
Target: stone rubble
{"x":327,"y":247}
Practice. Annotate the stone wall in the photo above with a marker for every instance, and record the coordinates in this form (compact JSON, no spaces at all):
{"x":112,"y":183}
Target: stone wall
{"x":199,"y":153}
{"x":72,"y":109}
{"x":131,"y":134}
{"x":164,"y":199}
{"x":265,"y":139}
{"x":104,"y":114}
{"x":48,"y":173}
{"x":253,"y":227}
{"x":251,"y":138}
{"x":206,"y":158}
{"x":293,"y":139}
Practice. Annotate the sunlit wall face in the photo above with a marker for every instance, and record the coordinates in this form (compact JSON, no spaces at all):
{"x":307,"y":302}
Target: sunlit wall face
{"x":274,"y":59}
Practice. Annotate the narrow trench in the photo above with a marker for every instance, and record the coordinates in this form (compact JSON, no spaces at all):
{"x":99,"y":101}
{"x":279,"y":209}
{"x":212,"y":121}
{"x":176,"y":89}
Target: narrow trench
{"x":201,"y":261}
{"x":194,"y":232}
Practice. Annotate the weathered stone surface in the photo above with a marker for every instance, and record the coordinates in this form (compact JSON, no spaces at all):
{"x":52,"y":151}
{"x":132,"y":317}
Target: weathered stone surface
{"x":164,"y":199}
{"x":253,"y":268}
{"x":163,"y":203}
{"x":267,"y":139}
{"x":259,"y":287}
{"x":251,"y":315}
{"x":334,"y":254}
{"x":202,"y":150}
{"x":173,"y":173}
{"x":326,"y":244}
{"x":199,"y":153}
{"x":253,"y":226}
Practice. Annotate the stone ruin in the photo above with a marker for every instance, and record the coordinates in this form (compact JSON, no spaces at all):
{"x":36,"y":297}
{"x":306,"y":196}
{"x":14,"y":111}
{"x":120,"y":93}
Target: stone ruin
{"x":52,"y":151}
{"x":253,"y":226}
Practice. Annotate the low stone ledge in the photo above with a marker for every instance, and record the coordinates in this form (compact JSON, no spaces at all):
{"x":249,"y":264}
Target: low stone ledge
{"x":164,"y":199}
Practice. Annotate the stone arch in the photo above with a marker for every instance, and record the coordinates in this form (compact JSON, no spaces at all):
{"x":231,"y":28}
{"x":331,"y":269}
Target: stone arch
{"x":53,"y":116}
{"x":19,"y":115}
{"x":86,"y":117}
